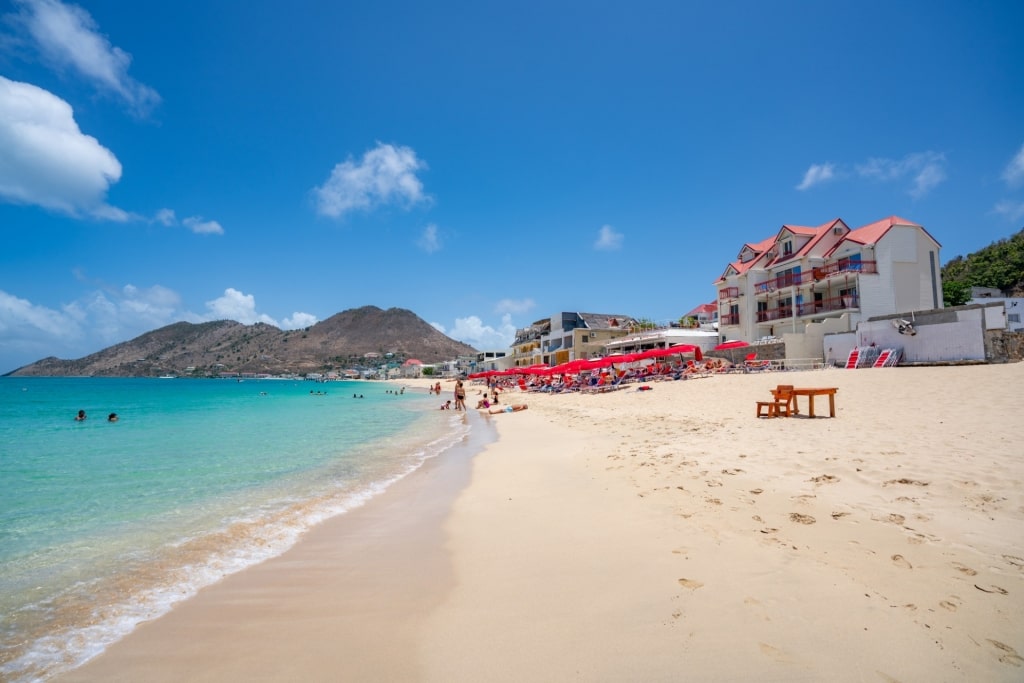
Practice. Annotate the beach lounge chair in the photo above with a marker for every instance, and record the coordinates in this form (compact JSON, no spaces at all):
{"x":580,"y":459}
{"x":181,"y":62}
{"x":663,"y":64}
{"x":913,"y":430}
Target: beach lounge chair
{"x":752,"y":363}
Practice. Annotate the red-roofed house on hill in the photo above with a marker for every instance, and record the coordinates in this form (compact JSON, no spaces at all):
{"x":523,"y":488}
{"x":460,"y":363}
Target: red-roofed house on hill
{"x":704,"y":315}
{"x":809,"y":274}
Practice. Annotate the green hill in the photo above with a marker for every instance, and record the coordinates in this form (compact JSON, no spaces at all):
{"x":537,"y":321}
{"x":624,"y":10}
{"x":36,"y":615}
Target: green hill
{"x":999,"y":265}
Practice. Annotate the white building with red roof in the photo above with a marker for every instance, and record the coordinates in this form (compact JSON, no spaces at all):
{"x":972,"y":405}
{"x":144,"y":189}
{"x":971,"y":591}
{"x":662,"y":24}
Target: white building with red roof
{"x":810,"y":274}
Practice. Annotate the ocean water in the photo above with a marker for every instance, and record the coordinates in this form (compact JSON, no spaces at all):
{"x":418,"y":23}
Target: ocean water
{"x":107,"y":524}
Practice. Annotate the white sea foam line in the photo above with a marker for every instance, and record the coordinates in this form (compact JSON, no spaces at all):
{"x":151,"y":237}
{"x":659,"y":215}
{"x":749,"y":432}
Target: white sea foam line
{"x":70,"y":648}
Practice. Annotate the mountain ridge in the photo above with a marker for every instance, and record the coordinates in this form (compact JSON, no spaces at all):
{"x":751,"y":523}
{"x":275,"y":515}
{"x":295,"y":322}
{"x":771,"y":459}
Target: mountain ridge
{"x":210,"y":348}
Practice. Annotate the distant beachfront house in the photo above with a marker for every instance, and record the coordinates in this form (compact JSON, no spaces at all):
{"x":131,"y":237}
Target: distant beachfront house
{"x":828,"y":274}
{"x":705,"y":315}
{"x":566,"y":336}
{"x":1013,"y":306}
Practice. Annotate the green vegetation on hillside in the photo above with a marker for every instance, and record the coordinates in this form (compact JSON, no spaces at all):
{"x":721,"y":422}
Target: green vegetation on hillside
{"x":999,"y":265}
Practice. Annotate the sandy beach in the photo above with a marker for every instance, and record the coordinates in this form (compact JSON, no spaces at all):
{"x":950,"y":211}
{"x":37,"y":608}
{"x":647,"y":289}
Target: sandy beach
{"x":657,"y":535}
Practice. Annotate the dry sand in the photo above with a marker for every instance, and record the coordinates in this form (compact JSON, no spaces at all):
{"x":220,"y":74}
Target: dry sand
{"x":661,"y":535}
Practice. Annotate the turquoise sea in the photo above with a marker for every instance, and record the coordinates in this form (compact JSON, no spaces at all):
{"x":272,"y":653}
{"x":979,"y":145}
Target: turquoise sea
{"x":107,"y":524}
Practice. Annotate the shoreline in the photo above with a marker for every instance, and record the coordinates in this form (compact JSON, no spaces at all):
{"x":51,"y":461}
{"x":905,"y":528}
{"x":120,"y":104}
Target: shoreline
{"x":348,"y":571}
{"x":656,"y":535}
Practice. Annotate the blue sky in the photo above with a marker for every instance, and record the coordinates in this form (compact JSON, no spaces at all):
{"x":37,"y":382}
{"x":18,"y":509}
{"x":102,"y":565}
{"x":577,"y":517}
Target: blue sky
{"x":482,"y":164}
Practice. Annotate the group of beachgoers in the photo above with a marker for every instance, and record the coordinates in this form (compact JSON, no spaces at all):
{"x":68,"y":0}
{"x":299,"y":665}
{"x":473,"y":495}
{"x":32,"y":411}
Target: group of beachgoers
{"x":81,"y":416}
{"x":610,"y":378}
{"x":488,"y":399}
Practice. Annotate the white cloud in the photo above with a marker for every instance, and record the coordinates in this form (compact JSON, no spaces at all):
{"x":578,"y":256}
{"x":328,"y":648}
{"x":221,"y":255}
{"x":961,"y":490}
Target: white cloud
{"x":1014,"y":172}
{"x":68,"y":37}
{"x":514,"y":306}
{"x":608,"y":239}
{"x":18,"y":316}
{"x":471,"y":330}
{"x":817,"y":174}
{"x":108,"y":315}
{"x":166,"y":217}
{"x":429,"y":241}
{"x":234,"y":305}
{"x":47,"y":161}
{"x":925,"y":170}
{"x":100,"y":318}
{"x":386,"y":174}
{"x":1013,"y":211}
{"x":298,"y":321}
{"x":202,"y":227}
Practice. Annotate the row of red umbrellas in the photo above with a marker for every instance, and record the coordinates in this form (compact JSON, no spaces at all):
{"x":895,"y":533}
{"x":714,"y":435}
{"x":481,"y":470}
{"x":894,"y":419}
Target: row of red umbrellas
{"x":585,"y":364}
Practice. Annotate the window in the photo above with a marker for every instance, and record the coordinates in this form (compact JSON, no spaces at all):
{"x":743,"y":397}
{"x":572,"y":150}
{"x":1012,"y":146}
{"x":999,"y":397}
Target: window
{"x":787,"y":248}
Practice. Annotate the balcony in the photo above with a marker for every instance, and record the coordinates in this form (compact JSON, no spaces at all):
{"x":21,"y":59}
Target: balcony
{"x":729,"y":319}
{"x":727,"y":293}
{"x":780,"y":313}
{"x":842,"y":267}
{"x":830,"y":305}
{"x":819,"y":307}
{"x":824,"y":272}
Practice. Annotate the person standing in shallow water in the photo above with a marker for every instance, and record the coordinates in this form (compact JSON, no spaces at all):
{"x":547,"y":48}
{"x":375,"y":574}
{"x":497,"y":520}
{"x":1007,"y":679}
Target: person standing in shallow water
{"x":80,"y":417}
{"x":460,"y":396}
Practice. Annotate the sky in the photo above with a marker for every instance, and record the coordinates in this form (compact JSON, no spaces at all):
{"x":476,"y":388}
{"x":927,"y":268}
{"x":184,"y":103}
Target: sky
{"x":482,"y":164}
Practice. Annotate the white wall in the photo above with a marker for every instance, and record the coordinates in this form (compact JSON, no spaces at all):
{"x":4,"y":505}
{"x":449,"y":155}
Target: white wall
{"x":954,"y":336}
{"x":811,"y":344}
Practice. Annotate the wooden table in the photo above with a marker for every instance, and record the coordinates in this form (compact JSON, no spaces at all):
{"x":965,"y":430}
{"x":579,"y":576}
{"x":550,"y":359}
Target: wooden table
{"x":810,"y":393}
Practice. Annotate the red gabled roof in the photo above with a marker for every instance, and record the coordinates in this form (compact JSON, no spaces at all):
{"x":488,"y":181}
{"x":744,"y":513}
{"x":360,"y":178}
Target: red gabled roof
{"x":759,"y":248}
{"x":703,"y":308}
{"x":872,"y":232}
{"x":816,"y":235}
{"x":868,"y":234}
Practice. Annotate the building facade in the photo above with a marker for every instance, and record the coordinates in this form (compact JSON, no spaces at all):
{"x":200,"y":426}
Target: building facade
{"x":566,"y":336}
{"x":808,"y":274}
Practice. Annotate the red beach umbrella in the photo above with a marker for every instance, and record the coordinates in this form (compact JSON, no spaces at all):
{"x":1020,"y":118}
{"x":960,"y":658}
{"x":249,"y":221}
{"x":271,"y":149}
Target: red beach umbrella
{"x":734,"y":344}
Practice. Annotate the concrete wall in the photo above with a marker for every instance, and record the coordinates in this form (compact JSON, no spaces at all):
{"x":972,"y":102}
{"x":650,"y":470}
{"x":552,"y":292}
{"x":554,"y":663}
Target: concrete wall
{"x":811,"y":344}
{"x":942,"y":336}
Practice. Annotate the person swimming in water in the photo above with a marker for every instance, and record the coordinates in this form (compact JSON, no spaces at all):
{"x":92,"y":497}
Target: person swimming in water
{"x":80,"y":417}
{"x":112,"y":417}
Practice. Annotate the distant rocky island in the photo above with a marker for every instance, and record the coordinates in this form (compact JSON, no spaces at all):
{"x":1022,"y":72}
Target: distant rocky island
{"x":209,"y":349}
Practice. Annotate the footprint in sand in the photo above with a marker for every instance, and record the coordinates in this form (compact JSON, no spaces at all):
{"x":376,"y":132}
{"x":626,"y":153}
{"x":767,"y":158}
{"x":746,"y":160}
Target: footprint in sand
{"x":1014,"y":561}
{"x":733,"y":470}
{"x":949,"y":605}
{"x":839,"y":515}
{"x":1009,"y":655}
{"x":801,"y":518}
{"x":824,"y":479}
{"x":757,"y":492}
{"x":690,"y":583}
{"x":964,"y":569}
{"x":905,"y":481}
{"x":992,"y":588}
{"x":901,"y":561}
{"x":775,"y":653}
{"x":896,"y":519}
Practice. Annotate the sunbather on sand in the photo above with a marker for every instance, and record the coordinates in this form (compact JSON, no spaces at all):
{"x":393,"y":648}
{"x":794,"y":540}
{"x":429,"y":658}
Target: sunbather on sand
{"x":514,"y":408}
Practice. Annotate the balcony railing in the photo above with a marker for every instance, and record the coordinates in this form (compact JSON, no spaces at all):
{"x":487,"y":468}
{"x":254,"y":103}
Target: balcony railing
{"x":729,"y":319}
{"x":829,"y":270}
{"x":829,"y":305}
{"x":728,"y":293}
